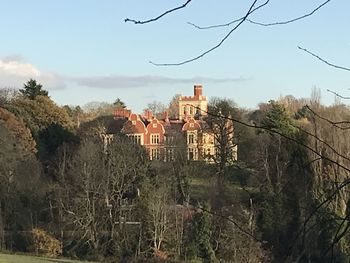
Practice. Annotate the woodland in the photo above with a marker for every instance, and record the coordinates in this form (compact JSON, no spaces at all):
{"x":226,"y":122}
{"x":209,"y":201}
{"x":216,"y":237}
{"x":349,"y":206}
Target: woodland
{"x":286,"y":198}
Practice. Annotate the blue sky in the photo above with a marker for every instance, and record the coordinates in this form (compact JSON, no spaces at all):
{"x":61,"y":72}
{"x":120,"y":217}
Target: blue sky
{"x":83,"y":51}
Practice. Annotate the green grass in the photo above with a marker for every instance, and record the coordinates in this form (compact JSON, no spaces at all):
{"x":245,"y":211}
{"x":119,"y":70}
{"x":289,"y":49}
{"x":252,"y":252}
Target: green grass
{"x":202,"y":188}
{"x":9,"y":258}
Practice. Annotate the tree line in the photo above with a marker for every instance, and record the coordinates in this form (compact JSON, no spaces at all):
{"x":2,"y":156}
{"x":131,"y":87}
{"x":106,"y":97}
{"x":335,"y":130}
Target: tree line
{"x":285,"y":199}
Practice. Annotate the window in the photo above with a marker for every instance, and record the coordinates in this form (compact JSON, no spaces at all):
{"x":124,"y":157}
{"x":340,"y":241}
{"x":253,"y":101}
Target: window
{"x":155,"y":138}
{"x":169,"y":139}
{"x":155,"y":154}
{"x":184,"y":110}
{"x":169,"y":155}
{"x":191,"y":110}
{"x":190,"y":138}
{"x":191,"y":125}
{"x":154,"y":125}
{"x":136,"y":138}
{"x":133,"y":122}
{"x":191,"y":154}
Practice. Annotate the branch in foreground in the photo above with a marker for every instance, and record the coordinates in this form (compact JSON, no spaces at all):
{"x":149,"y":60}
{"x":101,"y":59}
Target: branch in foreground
{"x":216,"y":46}
{"x":328,"y":198}
{"x":290,"y":20}
{"x":334,"y":123}
{"x":226,"y":24}
{"x":323,"y":60}
{"x":263,"y":24}
{"x":338,"y":95}
{"x":289,"y":138}
{"x":158,"y":17}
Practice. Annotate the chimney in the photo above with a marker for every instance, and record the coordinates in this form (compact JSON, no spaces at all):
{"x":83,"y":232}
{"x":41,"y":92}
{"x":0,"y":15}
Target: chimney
{"x":198,"y":91}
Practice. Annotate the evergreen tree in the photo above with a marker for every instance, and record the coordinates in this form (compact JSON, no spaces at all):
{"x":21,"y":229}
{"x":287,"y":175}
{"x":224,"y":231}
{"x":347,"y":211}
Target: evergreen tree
{"x":32,"y":89}
{"x":199,"y":241}
{"x":119,"y":104}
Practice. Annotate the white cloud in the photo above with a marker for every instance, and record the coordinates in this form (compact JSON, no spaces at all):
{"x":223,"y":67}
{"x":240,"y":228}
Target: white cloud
{"x":14,"y":72}
{"x":16,"y":68}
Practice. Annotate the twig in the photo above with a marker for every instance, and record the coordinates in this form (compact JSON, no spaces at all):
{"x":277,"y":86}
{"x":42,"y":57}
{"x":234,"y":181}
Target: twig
{"x":137,"y":22}
{"x":226,"y":24}
{"x":290,"y":20}
{"x":323,"y":60}
{"x":334,"y":123}
{"x":262,"y":24}
{"x":216,"y":46}
{"x":338,"y":95}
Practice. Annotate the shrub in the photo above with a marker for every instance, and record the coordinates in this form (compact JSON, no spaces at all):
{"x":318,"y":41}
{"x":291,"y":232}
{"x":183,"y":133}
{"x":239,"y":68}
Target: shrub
{"x":46,"y":244}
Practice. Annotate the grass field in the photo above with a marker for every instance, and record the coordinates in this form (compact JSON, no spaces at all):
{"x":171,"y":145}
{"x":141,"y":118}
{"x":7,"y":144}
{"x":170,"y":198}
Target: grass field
{"x":202,"y":188}
{"x":7,"y":258}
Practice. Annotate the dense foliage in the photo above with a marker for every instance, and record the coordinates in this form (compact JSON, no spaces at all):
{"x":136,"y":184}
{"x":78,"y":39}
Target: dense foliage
{"x":286,"y":199}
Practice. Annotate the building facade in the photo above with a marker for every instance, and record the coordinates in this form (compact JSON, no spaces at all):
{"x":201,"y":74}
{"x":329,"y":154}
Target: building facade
{"x":193,"y":106}
{"x":165,"y":138}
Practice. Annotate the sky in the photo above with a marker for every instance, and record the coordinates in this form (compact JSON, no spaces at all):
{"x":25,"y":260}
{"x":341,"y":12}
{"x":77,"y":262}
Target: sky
{"x":83,"y":51}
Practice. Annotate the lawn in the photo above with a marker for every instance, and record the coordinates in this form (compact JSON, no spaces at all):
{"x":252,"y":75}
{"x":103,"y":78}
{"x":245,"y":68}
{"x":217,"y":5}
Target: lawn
{"x":201,"y":188}
{"x":8,"y":258}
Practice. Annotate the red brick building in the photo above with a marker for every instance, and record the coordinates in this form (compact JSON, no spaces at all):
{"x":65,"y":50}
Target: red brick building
{"x":163,"y":138}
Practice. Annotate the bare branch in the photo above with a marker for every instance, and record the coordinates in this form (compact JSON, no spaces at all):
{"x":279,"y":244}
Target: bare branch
{"x":328,"y":198}
{"x":334,"y":123}
{"x":216,"y":46}
{"x":229,"y":23}
{"x":289,"y":138}
{"x":262,"y":24}
{"x":338,"y":95}
{"x":290,"y":20}
{"x":338,"y":235}
{"x":323,"y":142}
{"x":137,"y":22}
{"x":315,"y":210}
{"x":323,"y":60}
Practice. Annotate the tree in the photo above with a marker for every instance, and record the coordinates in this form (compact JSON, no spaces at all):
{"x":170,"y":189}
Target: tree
{"x":39,"y":113}
{"x":157,"y":108}
{"x":76,"y":113}
{"x":96,"y":109}
{"x":20,"y":191}
{"x":6,"y":95}
{"x":16,"y":127}
{"x":32,"y":89}
{"x":98,"y":194}
{"x":223,"y":130}
{"x":199,"y":240}
{"x":173,"y":107}
{"x":119,"y":104}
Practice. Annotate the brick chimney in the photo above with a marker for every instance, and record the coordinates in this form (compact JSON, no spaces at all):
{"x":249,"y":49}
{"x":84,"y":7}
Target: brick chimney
{"x":198,"y":91}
